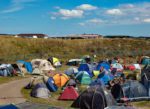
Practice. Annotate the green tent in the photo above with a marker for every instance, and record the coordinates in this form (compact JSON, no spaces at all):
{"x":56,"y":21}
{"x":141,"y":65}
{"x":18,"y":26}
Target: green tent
{"x":83,"y":78}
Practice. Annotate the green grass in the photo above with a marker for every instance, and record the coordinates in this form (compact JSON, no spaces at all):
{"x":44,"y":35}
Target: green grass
{"x":52,"y":101}
{"x":142,"y":104}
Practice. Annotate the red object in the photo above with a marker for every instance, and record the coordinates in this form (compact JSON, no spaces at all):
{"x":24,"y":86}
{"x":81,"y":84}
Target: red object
{"x":69,"y":94}
{"x":131,"y":67}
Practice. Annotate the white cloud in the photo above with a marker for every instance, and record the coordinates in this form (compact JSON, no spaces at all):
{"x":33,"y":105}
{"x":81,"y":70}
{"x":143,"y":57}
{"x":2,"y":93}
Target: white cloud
{"x":16,"y":5}
{"x":86,"y":7}
{"x":114,"y":12}
{"x":65,"y":13}
{"x":96,"y":21}
{"x":12,"y":9}
{"x":147,"y":20}
{"x":82,"y":24}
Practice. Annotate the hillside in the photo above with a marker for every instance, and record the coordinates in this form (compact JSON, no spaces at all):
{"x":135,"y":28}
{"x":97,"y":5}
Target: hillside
{"x":13,"y":49}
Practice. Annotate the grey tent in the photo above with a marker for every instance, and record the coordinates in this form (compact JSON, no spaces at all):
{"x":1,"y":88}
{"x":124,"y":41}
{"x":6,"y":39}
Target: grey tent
{"x":145,"y":78}
{"x":40,"y":91}
{"x":133,"y":90}
{"x":94,"y":97}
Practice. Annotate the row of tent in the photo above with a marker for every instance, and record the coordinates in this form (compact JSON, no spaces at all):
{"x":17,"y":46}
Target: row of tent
{"x":36,"y":66}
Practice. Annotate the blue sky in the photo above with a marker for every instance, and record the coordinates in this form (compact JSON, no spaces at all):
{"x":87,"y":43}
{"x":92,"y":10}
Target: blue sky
{"x":63,"y":17}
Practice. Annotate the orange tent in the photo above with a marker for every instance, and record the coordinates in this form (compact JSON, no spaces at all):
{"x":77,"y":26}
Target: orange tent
{"x":60,"y":79}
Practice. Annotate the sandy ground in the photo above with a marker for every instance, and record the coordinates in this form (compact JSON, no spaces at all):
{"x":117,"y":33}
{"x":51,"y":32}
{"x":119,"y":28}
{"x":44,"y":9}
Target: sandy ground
{"x":11,"y":92}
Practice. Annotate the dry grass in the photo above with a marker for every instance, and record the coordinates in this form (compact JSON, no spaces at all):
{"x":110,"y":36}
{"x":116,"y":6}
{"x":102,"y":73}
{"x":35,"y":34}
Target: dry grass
{"x":13,"y":49}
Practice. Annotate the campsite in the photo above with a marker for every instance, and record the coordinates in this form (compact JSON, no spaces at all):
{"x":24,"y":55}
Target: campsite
{"x":71,"y":80}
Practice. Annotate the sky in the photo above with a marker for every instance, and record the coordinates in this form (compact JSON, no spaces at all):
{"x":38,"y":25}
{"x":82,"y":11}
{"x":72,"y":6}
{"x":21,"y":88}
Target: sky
{"x":65,"y":17}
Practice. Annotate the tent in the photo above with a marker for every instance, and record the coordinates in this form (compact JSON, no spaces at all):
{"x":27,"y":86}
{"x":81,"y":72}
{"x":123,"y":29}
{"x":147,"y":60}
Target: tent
{"x":42,"y":64}
{"x":74,"y":62}
{"x":85,"y":67}
{"x":37,"y":71}
{"x":145,"y":60}
{"x":51,"y":85}
{"x":54,"y":61}
{"x":40,"y":91}
{"x":60,"y":79}
{"x":6,"y":70}
{"x":96,"y":82}
{"x":96,"y":73}
{"x":83,"y":78}
{"x":130,"y":89}
{"x":69,"y":94}
{"x":145,"y":78}
{"x":27,"y":65}
{"x":105,"y":78}
{"x":118,"y":66}
{"x":103,"y":64}
{"x":9,"y":106}
{"x":71,"y":71}
{"x":94,"y":97}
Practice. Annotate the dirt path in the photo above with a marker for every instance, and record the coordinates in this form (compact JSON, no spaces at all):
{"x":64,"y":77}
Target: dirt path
{"x":11,"y":92}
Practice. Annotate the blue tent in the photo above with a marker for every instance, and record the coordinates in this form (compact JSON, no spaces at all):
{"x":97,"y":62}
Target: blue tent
{"x":50,"y":85}
{"x":103,"y":64}
{"x":10,"y":106}
{"x":27,"y":65}
{"x":85,"y":67}
{"x":105,"y":78}
{"x":97,"y":82}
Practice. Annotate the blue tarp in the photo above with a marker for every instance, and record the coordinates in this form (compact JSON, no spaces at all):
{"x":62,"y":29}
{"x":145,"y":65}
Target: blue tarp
{"x":50,"y":85}
{"x":103,"y":64}
{"x":85,"y":67}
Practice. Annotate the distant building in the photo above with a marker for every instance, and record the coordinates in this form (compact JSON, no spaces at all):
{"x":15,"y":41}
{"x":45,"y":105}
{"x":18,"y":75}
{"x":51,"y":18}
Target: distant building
{"x":32,"y":35}
{"x":81,"y":36}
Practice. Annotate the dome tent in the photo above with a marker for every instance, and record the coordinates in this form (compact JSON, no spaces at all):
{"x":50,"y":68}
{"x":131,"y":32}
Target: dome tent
{"x":83,"y":78}
{"x":94,"y":98}
{"x":40,"y":91}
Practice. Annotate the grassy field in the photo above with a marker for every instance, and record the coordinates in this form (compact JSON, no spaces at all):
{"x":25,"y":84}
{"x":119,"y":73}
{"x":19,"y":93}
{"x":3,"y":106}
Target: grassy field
{"x":9,"y":79}
{"x":13,"y":49}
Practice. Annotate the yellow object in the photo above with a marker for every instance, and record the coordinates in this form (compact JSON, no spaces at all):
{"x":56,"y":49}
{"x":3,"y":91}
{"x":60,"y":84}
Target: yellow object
{"x":96,"y":73}
{"x":55,"y":60}
{"x":60,"y":79}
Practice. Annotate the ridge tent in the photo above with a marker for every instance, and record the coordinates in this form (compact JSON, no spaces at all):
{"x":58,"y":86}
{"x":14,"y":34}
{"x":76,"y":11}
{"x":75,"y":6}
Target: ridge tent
{"x":94,"y":97}
{"x":69,"y":94}
{"x":40,"y":91}
{"x":60,"y":79}
{"x":83,"y":78}
{"x":85,"y":67}
{"x":71,"y":71}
